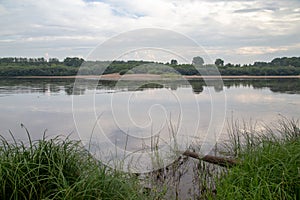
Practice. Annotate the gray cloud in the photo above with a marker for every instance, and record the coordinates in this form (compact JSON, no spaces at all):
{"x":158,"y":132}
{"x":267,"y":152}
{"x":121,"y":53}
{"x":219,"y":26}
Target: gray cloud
{"x":238,"y":31}
{"x":255,"y":10}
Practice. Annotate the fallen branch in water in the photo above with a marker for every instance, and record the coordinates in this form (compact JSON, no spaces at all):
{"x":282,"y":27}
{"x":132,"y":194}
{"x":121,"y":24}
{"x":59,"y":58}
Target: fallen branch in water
{"x":224,"y":162}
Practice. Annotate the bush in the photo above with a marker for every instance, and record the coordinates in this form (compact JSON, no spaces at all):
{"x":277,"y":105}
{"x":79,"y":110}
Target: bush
{"x":122,"y":72}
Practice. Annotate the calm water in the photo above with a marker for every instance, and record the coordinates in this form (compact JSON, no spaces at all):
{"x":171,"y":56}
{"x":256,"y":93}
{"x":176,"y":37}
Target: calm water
{"x":42,"y":104}
{"x":141,"y":109}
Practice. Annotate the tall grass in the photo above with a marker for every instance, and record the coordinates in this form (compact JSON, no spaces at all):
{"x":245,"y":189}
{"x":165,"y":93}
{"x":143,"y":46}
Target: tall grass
{"x":269,"y":163}
{"x":59,"y":169}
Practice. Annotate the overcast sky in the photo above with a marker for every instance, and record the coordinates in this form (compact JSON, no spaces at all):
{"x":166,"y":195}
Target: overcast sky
{"x":237,"y":31}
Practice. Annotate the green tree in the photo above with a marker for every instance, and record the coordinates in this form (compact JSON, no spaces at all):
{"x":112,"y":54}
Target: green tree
{"x":53,"y":61}
{"x":174,"y":62}
{"x":219,"y":62}
{"x":73,"y":62}
{"x":198,"y":61}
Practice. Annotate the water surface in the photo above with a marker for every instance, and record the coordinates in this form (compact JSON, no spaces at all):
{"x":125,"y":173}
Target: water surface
{"x":46,"y":104}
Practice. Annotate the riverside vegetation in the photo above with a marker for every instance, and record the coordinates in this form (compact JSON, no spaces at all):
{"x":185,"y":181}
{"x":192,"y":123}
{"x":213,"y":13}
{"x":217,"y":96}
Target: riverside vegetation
{"x":12,"y":66}
{"x":59,"y":169}
{"x":269,"y":163}
{"x":268,"y":168}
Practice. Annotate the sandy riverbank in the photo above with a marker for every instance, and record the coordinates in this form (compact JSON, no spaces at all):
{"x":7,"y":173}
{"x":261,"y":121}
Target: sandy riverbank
{"x":149,"y":77}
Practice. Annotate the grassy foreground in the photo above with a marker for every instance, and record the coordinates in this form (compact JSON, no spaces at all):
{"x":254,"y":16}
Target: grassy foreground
{"x":270,"y":164}
{"x":59,"y":169}
{"x":269,"y":168}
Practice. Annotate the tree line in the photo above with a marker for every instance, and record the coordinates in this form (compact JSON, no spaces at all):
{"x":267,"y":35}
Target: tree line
{"x":68,"y":61}
{"x":18,"y":66}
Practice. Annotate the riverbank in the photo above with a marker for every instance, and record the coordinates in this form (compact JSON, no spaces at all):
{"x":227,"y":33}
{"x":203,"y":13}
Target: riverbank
{"x":58,"y":168}
{"x":117,"y":76}
{"x":269,"y":163}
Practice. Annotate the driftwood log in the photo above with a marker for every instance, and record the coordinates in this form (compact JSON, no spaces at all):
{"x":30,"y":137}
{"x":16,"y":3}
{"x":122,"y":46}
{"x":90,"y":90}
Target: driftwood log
{"x":224,"y":162}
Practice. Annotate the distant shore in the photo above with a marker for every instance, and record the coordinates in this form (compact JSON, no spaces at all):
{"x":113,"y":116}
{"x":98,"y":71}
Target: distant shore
{"x":148,"y":77}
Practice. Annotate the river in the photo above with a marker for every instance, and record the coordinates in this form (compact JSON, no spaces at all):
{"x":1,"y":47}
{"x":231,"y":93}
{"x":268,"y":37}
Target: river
{"x":129,"y":114}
